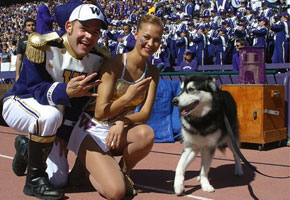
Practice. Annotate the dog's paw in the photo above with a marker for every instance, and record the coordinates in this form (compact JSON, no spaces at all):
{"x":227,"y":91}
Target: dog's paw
{"x":178,"y":186}
{"x":178,"y":189}
{"x":207,"y":188}
{"x":205,"y":185}
{"x":239,"y":170}
{"x":198,"y":178}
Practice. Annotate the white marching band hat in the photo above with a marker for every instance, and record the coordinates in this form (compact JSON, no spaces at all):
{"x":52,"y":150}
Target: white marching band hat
{"x":87,"y":12}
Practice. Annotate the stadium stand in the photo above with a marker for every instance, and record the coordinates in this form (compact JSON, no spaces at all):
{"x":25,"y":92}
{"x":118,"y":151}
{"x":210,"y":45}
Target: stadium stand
{"x":209,"y":29}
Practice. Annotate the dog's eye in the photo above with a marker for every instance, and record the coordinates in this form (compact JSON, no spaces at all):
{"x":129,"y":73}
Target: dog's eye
{"x":191,"y":90}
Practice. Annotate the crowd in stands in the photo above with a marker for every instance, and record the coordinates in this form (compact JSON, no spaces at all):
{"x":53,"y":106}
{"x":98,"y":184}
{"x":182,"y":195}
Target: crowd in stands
{"x":206,"y":29}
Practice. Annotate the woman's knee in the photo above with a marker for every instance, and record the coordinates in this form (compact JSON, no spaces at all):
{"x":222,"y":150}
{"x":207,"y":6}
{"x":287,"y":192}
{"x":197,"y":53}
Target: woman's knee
{"x":146,"y":134}
{"x":114,"y":191}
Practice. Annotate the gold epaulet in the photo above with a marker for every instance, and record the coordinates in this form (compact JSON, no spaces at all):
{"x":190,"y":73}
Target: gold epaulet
{"x":103,"y":51}
{"x":37,"y":45}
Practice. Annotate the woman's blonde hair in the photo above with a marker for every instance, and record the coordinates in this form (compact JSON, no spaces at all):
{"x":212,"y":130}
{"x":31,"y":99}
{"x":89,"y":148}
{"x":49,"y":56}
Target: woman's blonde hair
{"x":149,"y":19}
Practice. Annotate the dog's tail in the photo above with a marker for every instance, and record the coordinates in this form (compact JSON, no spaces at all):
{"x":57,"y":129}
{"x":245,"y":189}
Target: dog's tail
{"x":237,"y":149}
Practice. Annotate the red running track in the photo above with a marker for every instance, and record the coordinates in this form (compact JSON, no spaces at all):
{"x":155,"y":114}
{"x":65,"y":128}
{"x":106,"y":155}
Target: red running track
{"x":154,"y":175}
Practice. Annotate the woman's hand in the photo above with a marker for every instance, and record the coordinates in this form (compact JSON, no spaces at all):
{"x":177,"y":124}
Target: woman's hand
{"x":113,"y":138}
{"x":138,"y":89}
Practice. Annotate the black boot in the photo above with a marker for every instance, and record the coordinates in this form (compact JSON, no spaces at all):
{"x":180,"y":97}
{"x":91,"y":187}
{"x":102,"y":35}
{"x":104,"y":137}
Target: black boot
{"x":19,"y":163}
{"x":37,"y":182}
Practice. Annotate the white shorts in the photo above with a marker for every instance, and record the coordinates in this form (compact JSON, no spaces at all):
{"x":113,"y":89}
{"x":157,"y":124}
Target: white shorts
{"x":88,"y":125}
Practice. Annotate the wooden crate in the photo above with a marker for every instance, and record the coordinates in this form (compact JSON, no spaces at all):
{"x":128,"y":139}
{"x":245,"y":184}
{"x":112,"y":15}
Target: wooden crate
{"x":261,"y":112}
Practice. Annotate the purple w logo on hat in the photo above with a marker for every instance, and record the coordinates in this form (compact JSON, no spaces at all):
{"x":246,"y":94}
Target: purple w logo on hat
{"x":86,"y":12}
{"x":95,"y":10}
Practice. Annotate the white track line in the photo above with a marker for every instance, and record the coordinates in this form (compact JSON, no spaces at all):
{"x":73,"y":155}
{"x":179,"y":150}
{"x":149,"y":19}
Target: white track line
{"x":4,"y":156}
{"x":147,"y":187}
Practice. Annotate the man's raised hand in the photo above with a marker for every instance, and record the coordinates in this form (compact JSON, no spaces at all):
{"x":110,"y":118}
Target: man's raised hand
{"x":81,"y":85}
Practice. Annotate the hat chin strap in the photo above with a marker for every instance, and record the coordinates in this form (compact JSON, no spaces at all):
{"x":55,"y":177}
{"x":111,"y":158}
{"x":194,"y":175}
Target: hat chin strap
{"x":69,"y":48}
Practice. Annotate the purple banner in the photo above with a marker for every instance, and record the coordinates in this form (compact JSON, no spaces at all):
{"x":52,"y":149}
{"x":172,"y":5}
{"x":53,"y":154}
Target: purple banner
{"x":252,"y":65}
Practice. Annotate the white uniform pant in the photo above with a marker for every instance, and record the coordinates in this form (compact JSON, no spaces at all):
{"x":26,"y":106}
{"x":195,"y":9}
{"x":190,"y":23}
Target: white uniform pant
{"x":57,"y":167}
{"x":28,"y":116}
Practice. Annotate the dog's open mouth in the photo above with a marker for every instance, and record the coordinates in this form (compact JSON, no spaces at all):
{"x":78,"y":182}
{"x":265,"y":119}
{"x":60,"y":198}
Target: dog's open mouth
{"x":187,"y":109}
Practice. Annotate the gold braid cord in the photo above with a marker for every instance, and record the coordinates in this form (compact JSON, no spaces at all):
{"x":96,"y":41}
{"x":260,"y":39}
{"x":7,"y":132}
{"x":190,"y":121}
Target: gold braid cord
{"x":37,"y":45}
{"x":103,"y":51}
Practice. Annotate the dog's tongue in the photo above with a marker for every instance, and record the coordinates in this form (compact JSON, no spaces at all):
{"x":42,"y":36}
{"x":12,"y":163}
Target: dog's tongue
{"x":185,"y":110}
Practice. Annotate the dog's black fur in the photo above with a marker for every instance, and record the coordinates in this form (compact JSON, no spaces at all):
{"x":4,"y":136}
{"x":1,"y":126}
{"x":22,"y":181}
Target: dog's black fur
{"x":202,"y":108}
{"x":223,"y":103}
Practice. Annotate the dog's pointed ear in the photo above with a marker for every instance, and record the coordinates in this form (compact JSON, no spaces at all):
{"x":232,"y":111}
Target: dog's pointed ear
{"x":214,"y":78}
{"x":181,"y":85}
{"x":212,"y":83}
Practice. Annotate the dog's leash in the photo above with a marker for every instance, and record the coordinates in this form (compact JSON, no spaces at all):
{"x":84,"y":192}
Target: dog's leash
{"x":237,"y":149}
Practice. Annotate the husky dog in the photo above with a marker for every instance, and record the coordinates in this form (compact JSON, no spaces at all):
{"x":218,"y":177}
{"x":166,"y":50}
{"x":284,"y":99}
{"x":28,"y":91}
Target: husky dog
{"x":202,"y":107}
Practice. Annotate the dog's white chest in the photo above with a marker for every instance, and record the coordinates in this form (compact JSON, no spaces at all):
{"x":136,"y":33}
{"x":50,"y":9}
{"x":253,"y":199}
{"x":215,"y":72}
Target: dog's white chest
{"x":199,"y":140}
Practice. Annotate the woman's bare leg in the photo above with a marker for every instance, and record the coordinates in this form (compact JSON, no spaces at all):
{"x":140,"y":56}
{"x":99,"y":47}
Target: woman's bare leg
{"x":136,"y":143}
{"x":105,"y":173}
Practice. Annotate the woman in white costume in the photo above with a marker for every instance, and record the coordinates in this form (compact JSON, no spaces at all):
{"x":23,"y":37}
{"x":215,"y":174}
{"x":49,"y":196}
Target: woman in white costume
{"x":115,"y":130}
